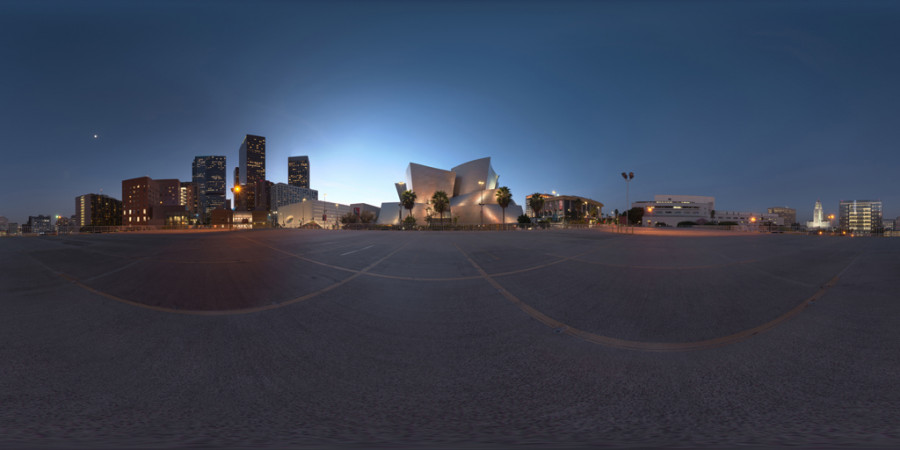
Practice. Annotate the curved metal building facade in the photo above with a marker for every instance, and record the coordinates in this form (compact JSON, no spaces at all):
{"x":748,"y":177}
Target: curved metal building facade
{"x":472,"y":188}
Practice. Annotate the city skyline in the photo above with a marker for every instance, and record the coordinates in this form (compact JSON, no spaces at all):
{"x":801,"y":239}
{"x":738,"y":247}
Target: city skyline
{"x":758,"y":105}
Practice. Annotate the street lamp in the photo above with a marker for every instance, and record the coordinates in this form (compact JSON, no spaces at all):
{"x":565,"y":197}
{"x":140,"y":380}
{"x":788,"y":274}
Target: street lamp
{"x":628,"y":177}
{"x":303,"y":213}
{"x":481,"y":203}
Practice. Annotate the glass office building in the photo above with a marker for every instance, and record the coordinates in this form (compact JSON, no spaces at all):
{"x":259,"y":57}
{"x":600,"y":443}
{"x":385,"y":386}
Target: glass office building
{"x":252,"y":156}
{"x":298,"y":171}
{"x":861,"y":216}
{"x":208,"y":184}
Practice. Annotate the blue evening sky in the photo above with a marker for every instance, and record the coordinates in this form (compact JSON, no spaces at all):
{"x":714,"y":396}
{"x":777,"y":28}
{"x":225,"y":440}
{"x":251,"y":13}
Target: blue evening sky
{"x":759,"y":104}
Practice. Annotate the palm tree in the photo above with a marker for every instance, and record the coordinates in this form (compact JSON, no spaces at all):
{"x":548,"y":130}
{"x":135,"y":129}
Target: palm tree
{"x":440,"y":202}
{"x":504,"y":196}
{"x":537,"y":203}
{"x":408,"y":199}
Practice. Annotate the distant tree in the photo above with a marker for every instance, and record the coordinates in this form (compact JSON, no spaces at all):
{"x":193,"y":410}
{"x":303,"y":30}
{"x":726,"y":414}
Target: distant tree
{"x":636,"y":215}
{"x":537,"y":203}
{"x":440,"y":202}
{"x":410,"y":221}
{"x":504,"y":196}
{"x":349,"y":218}
{"x":523,"y":219}
{"x":367,"y":217}
{"x":408,"y":199}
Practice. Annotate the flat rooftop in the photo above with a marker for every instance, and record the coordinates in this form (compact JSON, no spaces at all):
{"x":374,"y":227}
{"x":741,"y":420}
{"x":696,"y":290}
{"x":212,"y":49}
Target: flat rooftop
{"x":305,"y":337}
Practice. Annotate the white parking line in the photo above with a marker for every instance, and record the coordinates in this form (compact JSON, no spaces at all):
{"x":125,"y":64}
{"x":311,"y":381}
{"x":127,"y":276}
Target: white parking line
{"x":354,"y":251}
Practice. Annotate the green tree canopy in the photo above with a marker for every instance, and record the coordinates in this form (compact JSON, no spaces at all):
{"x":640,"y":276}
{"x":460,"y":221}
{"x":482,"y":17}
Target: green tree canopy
{"x":536,"y":202}
{"x":504,"y":196}
{"x":408,"y":199}
{"x":440,"y":202}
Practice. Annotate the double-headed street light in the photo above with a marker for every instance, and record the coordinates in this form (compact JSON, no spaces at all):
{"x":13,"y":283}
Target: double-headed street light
{"x":628,"y":177}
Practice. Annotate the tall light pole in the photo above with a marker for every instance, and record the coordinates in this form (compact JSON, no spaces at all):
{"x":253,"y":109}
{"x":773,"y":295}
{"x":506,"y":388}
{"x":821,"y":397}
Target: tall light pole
{"x":481,"y":203}
{"x":628,"y":177}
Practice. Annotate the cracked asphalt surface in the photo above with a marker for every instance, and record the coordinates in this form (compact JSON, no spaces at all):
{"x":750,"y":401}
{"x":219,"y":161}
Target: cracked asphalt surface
{"x":444,"y":339}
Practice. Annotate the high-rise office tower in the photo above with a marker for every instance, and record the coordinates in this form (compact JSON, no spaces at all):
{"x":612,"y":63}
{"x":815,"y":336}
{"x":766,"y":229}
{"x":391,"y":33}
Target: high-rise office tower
{"x":298,"y":171}
{"x":209,"y":185}
{"x":263,"y":200}
{"x":252,"y":167}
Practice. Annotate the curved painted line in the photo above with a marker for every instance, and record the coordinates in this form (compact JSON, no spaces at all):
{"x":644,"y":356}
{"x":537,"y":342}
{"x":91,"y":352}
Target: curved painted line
{"x":699,"y":267}
{"x":406,"y":278}
{"x":232,"y":261}
{"x":654,"y":346}
{"x":225,"y":312}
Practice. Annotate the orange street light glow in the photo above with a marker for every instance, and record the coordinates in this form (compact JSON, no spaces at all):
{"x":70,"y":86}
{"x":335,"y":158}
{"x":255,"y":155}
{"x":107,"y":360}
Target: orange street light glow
{"x":753,"y":219}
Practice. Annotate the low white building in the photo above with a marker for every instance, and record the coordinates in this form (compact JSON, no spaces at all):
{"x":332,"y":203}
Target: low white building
{"x":325,"y":214}
{"x":674,"y":209}
{"x":282,"y":194}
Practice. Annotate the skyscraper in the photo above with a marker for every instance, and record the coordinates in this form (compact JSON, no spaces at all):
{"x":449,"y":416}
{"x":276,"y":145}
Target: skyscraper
{"x":298,"y":171}
{"x":252,"y":166}
{"x":209,"y":184}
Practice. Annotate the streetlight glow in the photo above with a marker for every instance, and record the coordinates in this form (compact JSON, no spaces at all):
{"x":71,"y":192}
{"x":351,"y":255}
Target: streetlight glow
{"x":481,"y":203}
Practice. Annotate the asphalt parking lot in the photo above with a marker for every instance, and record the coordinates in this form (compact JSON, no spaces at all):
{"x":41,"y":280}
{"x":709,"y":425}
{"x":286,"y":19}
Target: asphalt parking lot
{"x":318,"y":338}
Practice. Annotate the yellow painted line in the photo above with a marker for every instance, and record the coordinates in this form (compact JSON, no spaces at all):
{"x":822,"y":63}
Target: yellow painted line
{"x":652,"y":346}
{"x":226,"y":312}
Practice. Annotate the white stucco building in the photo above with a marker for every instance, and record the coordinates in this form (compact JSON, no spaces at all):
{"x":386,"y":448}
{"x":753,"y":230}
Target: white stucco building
{"x":674,"y":209}
{"x":325,"y":214}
